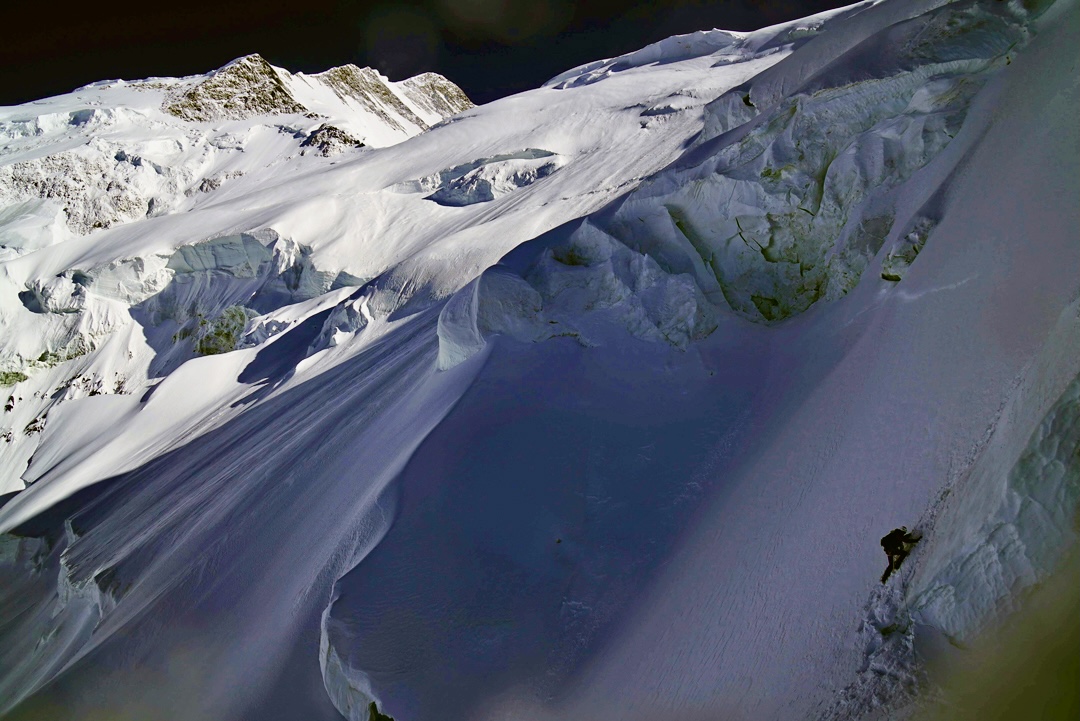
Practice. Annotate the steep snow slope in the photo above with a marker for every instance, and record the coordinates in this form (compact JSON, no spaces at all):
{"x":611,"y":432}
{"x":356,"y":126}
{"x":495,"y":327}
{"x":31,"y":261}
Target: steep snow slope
{"x":857,"y":415}
{"x":136,"y":303}
{"x":589,"y":403}
{"x":113,"y":152}
{"x":387,"y":214}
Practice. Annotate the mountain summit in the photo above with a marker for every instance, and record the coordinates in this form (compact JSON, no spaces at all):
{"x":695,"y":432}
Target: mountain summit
{"x":250,"y":86}
{"x":244,"y":88}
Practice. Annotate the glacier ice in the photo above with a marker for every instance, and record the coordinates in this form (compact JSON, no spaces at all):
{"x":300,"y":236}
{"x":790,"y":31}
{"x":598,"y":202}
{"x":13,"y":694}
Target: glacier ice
{"x":588,"y":402}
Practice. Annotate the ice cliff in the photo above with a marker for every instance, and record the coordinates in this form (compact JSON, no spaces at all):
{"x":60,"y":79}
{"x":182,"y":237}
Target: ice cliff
{"x":592,"y":402}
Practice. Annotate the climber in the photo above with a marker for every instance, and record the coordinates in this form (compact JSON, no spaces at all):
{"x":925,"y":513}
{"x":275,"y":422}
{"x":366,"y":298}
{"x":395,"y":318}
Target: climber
{"x":375,"y":715}
{"x":897,"y":544}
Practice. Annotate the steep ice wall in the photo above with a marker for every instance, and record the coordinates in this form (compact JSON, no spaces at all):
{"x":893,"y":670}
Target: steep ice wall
{"x":114,"y":327}
{"x":221,"y":286}
{"x":790,"y":206}
{"x":786,"y":204}
{"x":258,"y":269}
{"x":494,"y":178}
{"x":579,"y":286}
{"x":1006,"y":526}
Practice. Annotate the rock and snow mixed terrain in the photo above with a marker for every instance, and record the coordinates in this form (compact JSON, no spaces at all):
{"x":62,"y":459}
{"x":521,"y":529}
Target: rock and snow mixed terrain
{"x":592,"y":402}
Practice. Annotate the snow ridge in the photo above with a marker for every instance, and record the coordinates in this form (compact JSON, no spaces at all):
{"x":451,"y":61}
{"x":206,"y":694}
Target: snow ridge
{"x":535,"y":413}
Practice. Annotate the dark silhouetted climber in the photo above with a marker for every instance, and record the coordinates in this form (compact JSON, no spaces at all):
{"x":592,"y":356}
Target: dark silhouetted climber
{"x":897,"y":544}
{"x":375,"y":715}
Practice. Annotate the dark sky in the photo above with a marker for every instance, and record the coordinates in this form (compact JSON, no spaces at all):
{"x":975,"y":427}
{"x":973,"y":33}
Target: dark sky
{"x":490,"y":48}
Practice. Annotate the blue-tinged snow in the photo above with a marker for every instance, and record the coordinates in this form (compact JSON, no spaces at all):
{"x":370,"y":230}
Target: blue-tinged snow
{"x":592,"y":402}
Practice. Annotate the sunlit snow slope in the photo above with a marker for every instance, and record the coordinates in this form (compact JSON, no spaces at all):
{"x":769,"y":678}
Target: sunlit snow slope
{"x":589,"y":403}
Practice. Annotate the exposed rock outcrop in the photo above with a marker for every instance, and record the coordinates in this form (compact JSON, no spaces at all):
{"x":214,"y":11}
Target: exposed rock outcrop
{"x":244,"y":88}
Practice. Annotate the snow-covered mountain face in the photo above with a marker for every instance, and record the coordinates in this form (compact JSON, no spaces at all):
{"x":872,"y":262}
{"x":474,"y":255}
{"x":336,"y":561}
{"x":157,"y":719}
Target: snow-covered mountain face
{"x":114,"y":152}
{"x":592,"y":402}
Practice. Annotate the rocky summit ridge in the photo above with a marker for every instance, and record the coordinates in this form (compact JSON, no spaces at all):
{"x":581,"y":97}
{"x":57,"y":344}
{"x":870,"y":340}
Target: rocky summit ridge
{"x":250,"y":86}
{"x":245,"y":87}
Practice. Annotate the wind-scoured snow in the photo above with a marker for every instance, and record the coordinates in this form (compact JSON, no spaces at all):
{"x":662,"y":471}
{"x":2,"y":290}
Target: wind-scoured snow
{"x":1007,"y":526}
{"x":592,"y":402}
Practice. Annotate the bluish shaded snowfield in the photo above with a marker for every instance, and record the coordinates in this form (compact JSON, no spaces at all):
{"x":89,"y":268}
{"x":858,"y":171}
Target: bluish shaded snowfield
{"x":589,"y":403}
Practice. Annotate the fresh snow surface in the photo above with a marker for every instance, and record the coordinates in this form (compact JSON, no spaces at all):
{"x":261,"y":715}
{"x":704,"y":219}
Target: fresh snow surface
{"x":589,"y":403}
